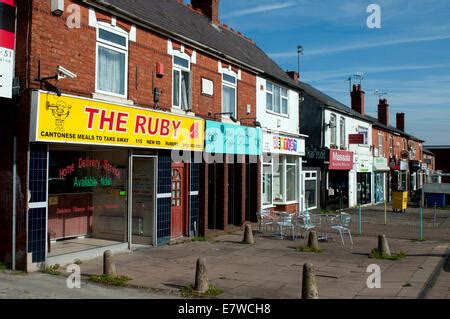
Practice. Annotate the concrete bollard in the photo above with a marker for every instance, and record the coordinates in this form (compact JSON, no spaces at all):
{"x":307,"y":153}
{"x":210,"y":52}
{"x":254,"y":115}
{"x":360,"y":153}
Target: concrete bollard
{"x":248,"y":235}
{"x":313,"y":241}
{"x":309,"y":285}
{"x":201,"y":276}
{"x":109,"y":268}
{"x":383,"y":246}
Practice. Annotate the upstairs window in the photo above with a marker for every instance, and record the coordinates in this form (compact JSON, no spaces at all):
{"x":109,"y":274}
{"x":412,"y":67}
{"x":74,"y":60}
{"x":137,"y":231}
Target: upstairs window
{"x":181,"y":82}
{"x":229,"y":93}
{"x":342,"y":133}
{"x":364,"y":131}
{"x":277,"y":100}
{"x":333,"y":130}
{"x":112,"y":61}
{"x":380,"y":145}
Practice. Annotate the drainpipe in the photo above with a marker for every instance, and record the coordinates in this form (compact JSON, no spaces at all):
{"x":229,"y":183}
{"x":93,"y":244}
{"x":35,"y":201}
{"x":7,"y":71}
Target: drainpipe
{"x":14,"y":208}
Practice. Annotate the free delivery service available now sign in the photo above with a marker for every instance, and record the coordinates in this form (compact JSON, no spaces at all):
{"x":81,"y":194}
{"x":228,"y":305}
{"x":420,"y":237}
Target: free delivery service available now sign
{"x":68,"y":119}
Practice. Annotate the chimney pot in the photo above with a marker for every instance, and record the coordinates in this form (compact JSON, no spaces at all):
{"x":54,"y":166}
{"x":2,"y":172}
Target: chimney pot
{"x":383,"y":112}
{"x":358,"y":96}
{"x":401,"y":121}
{"x":209,"y":8}
{"x":293,"y":75}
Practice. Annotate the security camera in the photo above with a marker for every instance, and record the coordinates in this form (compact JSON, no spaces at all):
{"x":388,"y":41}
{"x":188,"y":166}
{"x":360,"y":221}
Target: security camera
{"x":63,"y":73}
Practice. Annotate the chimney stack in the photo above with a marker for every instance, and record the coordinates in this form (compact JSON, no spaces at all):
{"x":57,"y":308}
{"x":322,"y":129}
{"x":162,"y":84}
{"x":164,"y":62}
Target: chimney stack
{"x":358,"y":99}
{"x":293,"y":75}
{"x":209,"y":8}
{"x":383,"y":112}
{"x":401,"y":121}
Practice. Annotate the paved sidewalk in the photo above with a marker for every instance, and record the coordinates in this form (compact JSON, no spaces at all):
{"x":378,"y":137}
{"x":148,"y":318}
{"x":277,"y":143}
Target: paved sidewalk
{"x":272,"y":268}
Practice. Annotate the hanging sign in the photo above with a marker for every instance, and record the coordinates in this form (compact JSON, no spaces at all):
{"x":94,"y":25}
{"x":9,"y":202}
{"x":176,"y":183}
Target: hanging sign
{"x":67,"y":119}
{"x":7,"y":35}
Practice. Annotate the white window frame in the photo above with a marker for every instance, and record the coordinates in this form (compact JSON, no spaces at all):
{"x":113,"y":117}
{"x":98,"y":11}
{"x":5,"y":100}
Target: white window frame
{"x":180,"y":69}
{"x":284,"y":164}
{"x":311,"y":176}
{"x":380,"y":144}
{"x":365,"y":131}
{"x":230,"y":85}
{"x":114,"y":47}
{"x":333,"y":129}
{"x":282,"y":98}
{"x":342,"y":130}
{"x":266,"y":205}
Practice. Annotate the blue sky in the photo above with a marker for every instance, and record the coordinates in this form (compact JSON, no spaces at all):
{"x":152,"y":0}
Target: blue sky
{"x":408,"y":58}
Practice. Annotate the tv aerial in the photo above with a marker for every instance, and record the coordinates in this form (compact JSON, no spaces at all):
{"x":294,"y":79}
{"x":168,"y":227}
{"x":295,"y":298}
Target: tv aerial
{"x":379,"y":94}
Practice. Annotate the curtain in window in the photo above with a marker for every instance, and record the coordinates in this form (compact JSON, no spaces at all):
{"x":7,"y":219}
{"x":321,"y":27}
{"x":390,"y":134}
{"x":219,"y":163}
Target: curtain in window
{"x":277,"y":99}
{"x":185,"y":91}
{"x":176,"y":88}
{"x":229,"y":100}
{"x":111,"y":71}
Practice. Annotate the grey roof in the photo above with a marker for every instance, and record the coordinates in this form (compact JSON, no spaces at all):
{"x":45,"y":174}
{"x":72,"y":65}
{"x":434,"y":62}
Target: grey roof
{"x":338,"y":106}
{"x":427,"y":151}
{"x":179,"y":20}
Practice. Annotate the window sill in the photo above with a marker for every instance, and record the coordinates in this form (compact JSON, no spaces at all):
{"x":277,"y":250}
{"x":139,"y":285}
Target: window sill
{"x":286,"y":116}
{"x":112,"y":99}
{"x":178,"y":111}
{"x":226,"y":119}
{"x":285,"y":203}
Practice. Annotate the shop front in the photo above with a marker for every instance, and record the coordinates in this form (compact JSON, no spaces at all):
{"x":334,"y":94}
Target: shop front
{"x":231,"y":179}
{"x":281,"y":172}
{"x":364,"y":180}
{"x":381,"y":180}
{"x":106,"y":175}
{"x":337,"y":180}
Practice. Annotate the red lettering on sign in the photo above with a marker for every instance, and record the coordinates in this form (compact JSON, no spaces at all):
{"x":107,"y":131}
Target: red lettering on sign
{"x":91,"y":111}
{"x":153,"y":131}
{"x":140,"y":122}
{"x":176,"y":126}
{"x":121,"y":120}
{"x":165,"y":127}
{"x":109,"y":120}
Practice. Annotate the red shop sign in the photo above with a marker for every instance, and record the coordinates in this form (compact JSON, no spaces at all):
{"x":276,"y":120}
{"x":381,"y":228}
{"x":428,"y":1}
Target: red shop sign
{"x":356,"y":139}
{"x":341,"y":160}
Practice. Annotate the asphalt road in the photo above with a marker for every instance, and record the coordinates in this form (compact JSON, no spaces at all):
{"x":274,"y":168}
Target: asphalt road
{"x":42,"y":286}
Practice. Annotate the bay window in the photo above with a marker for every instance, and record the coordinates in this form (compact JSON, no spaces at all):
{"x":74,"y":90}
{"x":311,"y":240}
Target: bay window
{"x":181,"y":98}
{"x":277,"y":100}
{"x":229,"y":89}
{"x":112,"y":61}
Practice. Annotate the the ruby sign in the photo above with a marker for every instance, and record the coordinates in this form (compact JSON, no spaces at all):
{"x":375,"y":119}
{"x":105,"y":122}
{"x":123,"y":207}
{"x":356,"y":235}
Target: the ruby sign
{"x":341,"y":160}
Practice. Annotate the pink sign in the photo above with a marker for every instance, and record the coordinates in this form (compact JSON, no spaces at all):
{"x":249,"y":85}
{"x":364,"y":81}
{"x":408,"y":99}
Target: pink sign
{"x":341,"y":160}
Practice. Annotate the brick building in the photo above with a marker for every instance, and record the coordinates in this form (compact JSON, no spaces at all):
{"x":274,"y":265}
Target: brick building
{"x":110,"y":127}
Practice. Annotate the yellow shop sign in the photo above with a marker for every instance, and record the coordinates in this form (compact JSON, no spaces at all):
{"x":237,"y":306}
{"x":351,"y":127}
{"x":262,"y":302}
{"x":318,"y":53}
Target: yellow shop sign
{"x":68,"y":119}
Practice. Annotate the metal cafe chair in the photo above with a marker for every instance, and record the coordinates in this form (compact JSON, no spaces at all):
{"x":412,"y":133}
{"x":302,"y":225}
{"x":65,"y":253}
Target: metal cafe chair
{"x":265,"y":220}
{"x":341,"y":224}
{"x":287,"y":222}
{"x":305,"y":223}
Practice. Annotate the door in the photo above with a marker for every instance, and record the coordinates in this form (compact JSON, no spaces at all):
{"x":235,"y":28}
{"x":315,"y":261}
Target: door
{"x":143,"y":200}
{"x":178,"y":200}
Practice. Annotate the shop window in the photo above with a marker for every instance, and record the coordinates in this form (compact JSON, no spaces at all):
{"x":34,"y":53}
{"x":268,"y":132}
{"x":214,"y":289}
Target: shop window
{"x":311,"y":189}
{"x":181,"y":81}
{"x":229,"y":93}
{"x":112,"y":61}
{"x":267,"y":185}
{"x":88,"y":194}
{"x":277,"y":100}
{"x":285,"y":181}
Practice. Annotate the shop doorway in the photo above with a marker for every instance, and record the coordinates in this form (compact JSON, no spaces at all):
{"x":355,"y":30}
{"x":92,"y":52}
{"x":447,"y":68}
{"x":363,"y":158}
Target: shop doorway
{"x":178,"y":220}
{"x":251,"y":197}
{"x":215,"y":196}
{"x":364,"y":188}
{"x":338,"y":190}
{"x":235,"y":175}
{"x":143,"y":200}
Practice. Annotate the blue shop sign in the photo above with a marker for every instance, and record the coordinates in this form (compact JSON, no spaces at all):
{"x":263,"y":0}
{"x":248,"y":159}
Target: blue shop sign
{"x":222,"y":138}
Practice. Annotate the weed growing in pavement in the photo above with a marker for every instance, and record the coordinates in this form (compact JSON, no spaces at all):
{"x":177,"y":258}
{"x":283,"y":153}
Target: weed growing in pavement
{"x":304,"y":249}
{"x":189,"y":291}
{"x":376,"y":254}
{"x":199,"y":239}
{"x":51,"y":270}
{"x":118,"y":281}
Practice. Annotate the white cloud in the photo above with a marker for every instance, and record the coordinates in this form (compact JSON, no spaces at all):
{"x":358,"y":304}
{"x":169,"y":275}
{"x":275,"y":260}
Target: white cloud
{"x":360,"y":46}
{"x":259,"y":9}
